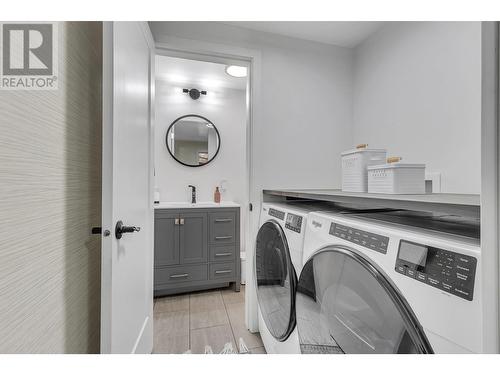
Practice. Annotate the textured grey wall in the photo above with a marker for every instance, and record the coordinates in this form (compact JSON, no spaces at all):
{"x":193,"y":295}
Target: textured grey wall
{"x":50,"y":197}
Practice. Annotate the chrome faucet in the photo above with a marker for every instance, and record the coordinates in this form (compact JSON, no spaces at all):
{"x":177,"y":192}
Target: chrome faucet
{"x":193,"y":193}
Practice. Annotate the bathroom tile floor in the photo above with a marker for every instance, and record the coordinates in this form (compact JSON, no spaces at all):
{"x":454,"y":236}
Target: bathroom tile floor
{"x":192,"y":321}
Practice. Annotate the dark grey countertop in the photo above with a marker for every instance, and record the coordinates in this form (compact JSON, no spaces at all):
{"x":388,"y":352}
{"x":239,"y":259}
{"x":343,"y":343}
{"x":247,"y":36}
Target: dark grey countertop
{"x":455,"y":204}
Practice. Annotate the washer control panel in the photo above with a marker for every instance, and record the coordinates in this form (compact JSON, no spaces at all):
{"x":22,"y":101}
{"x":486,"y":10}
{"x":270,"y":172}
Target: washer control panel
{"x":369,"y":240}
{"x":276,"y":213}
{"x":293,"y":222}
{"x":446,"y":270}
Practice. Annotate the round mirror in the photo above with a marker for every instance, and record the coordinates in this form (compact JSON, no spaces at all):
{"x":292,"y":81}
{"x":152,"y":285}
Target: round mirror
{"x":193,"y":140}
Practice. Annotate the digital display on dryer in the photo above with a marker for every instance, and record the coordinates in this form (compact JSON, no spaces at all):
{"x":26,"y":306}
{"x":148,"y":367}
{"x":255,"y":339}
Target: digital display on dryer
{"x":413,"y":253}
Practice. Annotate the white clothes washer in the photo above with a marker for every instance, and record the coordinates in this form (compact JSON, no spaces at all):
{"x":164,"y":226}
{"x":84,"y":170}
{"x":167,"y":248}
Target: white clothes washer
{"x":278,"y":261}
{"x":369,"y":286}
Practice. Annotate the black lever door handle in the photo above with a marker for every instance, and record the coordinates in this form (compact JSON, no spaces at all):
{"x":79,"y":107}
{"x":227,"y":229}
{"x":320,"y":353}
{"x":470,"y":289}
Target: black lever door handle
{"x":120,"y":229}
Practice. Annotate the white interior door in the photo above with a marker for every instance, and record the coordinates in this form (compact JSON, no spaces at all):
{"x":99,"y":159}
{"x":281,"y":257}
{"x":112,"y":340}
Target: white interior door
{"x":127,"y":262}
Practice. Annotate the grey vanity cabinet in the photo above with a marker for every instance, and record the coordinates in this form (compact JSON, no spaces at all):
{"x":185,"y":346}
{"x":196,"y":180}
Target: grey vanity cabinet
{"x":193,"y":247}
{"x":166,"y":239}
{"x":196,"y":249}
{"x":180,"y":238}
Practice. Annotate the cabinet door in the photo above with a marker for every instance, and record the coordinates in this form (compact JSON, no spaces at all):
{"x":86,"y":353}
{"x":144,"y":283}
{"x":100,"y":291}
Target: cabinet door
{"x":193,"y":238}
{"x":166,"y":240}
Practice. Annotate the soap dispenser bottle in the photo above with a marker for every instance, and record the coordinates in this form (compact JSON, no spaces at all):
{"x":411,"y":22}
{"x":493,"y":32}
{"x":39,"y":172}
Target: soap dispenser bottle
{"x":217,"y":195}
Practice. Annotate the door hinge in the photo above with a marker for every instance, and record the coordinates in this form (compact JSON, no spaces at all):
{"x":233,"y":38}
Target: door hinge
{"x":250,"y":206}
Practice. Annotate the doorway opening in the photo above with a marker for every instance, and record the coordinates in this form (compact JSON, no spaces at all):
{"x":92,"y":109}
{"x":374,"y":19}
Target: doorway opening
{"x":202,"y":148}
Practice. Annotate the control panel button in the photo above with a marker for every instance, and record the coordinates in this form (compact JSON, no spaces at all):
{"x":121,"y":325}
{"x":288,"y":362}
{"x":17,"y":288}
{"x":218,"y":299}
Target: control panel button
{"x":445,"y":273}
{"x":432,"y":281}
{"x":462,"y":292}
{"x":421,"y":276}
{"x":462,"y":276}
{"x":446,"y":286}
{"x":411,"y":273}
{"x":463,"y":259}
{"x":369,"y":240}
{"x":463,"y":268}
{"x":401,"y":269}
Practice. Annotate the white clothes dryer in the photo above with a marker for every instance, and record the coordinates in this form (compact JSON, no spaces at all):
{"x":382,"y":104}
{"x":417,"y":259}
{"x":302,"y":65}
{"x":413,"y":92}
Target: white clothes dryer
{"x":278,"y":261}
{"x":368,"y":286}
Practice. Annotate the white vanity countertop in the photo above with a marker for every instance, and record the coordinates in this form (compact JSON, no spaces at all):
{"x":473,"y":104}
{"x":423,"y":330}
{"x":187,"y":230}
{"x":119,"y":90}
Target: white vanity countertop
{"x":224,"y":204}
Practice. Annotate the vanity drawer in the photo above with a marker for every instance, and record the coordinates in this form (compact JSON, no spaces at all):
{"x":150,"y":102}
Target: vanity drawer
{"x":222,"y":227}
{"x":181,"y":274}
{"x":222,"y":271}
{"x":222,"y":253}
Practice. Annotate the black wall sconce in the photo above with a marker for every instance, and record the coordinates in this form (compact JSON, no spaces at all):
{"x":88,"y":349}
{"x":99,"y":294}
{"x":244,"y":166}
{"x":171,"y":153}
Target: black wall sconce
{"x":194,"y":93}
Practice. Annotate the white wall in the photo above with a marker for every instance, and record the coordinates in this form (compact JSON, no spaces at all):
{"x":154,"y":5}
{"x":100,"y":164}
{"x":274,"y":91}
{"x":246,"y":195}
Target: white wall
{"x":226,"y":108}
{"x":417,"y":92}
{"x":305,"y":111}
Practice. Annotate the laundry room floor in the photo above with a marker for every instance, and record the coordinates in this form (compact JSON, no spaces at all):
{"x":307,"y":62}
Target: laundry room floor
{"x":192,"y":321}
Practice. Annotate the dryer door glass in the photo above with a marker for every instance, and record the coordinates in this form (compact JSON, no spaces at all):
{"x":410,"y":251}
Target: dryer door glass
{"x":345,"y":304}
{"x":276,"y":280}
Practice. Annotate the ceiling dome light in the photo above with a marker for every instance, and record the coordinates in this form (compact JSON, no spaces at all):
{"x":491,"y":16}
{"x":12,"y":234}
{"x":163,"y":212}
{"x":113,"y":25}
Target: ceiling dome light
{"x":236,"y":71}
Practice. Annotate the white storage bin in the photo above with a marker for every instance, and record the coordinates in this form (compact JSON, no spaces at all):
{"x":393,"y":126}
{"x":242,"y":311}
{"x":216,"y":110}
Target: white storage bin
{"x":354,"y":167}
{"x":396,"y":178}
